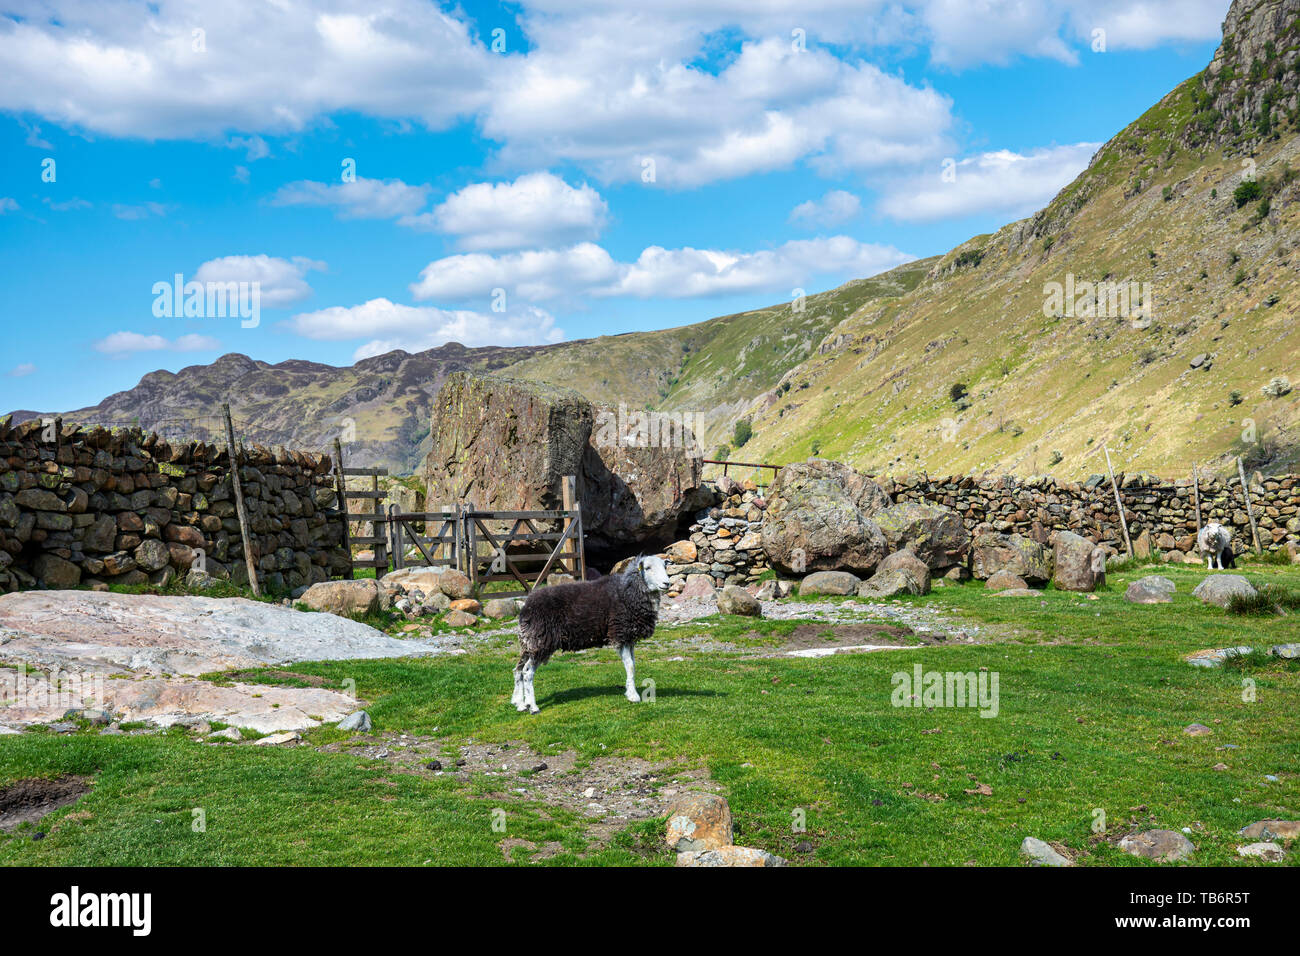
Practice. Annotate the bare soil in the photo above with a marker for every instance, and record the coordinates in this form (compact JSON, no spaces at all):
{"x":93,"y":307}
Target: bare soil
{"x":27,"y":801}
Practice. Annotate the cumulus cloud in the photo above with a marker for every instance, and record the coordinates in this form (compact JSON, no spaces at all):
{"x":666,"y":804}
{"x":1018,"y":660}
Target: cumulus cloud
{"x":415,"y":328}
{"x":537,"y":209}
{"x":535,"y":275}
{"x":142,"y":211}
{"x":359,"y":199}
{"x":833,"y":209}
{"x":586,"y":269}
{"x":22,"y":370}
{"x":125,"y":344}
{"x":281,"y":281}
{"x":1002,"y":182}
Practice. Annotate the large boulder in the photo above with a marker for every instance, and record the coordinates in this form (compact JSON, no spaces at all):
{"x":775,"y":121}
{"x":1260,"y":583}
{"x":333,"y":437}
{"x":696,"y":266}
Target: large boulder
{"x":907,"y":561}
{"x":345,"y":598}
{"x":699,"y":821}
{"x":1152,"y":589}
{"x":1080,"y":564}
{"x":829,"y":582}
{"x":736,"y":600}
{"x":992,"y":551}
{"x":506,"y":444}
{"x":935,"y":534}
{"x":819,"y":518}
{"x":1219,"y":589}
{"x":889,"y":583}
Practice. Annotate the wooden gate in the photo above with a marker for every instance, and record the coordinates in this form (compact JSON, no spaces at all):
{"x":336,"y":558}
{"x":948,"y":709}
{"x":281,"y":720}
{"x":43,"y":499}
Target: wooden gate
{"x":378,"y":537}
{"x":495,"y":546}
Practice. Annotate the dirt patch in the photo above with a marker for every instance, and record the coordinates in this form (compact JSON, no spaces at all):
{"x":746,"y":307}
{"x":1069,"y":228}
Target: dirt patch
{"x":27,"y":801}
{"x":608,"y":793}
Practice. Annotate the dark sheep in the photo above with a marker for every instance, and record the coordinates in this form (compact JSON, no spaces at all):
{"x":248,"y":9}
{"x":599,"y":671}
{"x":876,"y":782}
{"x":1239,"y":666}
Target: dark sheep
{"x":617,"y":610}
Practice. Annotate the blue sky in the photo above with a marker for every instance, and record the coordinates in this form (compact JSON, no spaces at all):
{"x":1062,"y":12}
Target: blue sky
{"x":505,"y":196}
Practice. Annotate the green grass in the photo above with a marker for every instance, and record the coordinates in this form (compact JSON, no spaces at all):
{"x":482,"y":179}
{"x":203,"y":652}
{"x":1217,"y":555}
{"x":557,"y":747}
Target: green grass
{"x":1094,"y":696}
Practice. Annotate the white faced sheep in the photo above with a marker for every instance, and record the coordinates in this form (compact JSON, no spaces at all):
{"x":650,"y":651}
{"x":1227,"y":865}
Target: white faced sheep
{"x":619,"y":610}
{"x":1215,"y":544}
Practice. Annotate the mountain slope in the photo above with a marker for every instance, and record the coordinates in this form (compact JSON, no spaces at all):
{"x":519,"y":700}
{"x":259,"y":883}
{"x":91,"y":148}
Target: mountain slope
{"x":1047,"y":389}
{"x":385,"y":401}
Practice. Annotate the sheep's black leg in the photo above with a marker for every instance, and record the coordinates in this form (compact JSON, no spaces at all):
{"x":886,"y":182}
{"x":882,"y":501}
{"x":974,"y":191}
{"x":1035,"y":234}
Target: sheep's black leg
{"x":629,"y":665}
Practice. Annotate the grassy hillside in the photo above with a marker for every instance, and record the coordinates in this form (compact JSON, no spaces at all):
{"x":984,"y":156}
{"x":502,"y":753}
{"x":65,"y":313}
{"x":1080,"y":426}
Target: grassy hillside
{"x":1045,"y":389}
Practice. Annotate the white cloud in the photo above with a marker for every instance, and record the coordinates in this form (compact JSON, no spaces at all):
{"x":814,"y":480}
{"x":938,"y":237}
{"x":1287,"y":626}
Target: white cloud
{"x":125,"y":344}
{"x":1001,"y":182}
{"x":416,"y":328}
{"x":535,"y":275}
{"x":254,"y":146}
{"x":359,"y":199}
{"x":537,"y":209}
{"x":593,"y":101}
{"x":588,"y":270}
{"x":22,"y":370}
{"x":7,"y":204}
{"x":281,"y":281}
{"x":128,"y":69}
{"x":67,"y":205}
{"x":833,"y":209}
{"x":142,"y":211}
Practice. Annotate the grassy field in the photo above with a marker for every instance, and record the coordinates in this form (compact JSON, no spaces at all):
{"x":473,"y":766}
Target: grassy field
{"x":1093,"y":699}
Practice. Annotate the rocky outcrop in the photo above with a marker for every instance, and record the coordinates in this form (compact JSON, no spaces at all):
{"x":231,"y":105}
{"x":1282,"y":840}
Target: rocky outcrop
{"x":819,"y":517}
{"x":138,"y":657}
{"x":933,"y":533}
{"x":506,"y":444}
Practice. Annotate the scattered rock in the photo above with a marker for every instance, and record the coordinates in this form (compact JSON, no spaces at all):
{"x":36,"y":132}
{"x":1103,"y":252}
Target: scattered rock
{"x":459,"y":619}
{"x":1165,"y":846}
{"x":227,"y":733}
{"x":272,"y":740}
{"x":887,"y":584}
{"x":1288,"y":652}
{"x":729,"y":856}
{"x":1197,"y":730}
{"x":1003,"y":580}
{"x":500,"y":609}
{"x":1219,"y":589}
{"x":1042,"y":854}
{"x":1152,"y":589}
{"x":1269,"y":852}
{"x":1080,"y":564}
{"x":1018,"y":592}
{"x":358,"y":720}
{"x":736,"y":600}
{"x":1214,"y":656}
{"x":1284,"y":830}
{"x":829,"y":582}
{"x":909,"y":562}
{"x":345,"y":598}
{"x":699,"y":821}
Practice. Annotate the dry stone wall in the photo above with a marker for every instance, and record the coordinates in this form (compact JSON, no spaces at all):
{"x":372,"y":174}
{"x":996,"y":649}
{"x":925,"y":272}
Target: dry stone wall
{"x":122,"y":506}
{"x":1161,"y":514}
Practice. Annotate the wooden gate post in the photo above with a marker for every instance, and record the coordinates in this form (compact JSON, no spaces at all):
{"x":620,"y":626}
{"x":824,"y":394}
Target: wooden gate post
{"x":1119,"y":504}
{"x":395,"y":537}
{"x":569,"y":493}
{"x":340,"y":485}
{"x":239,"y":501}
{"x":1250,"y":512}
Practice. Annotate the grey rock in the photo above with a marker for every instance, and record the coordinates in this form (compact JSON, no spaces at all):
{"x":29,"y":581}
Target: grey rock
{"x":1165,"y":846}
{"x":1042,"y":854}
{"x":736,"y":600}
{"x":1219,"y":589}
{"x":829,"y":582}
{"x":357,"y":720}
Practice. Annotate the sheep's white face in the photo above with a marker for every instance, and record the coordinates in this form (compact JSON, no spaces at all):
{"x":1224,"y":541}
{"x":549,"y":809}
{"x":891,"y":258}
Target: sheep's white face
{"x":655,"y":573}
